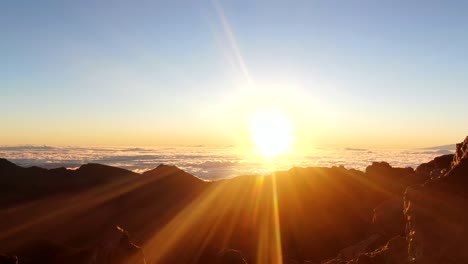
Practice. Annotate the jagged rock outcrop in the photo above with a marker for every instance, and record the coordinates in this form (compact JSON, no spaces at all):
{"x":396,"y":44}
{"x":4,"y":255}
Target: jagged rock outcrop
{"x":435,"y":216}
{"x":437,"y":219}
{"x":393,"y":252}
{"x":461,"y":152}
{"x":435,"y":168}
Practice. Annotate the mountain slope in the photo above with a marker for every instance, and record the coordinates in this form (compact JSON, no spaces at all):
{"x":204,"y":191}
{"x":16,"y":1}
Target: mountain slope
{"x":302,"y":213}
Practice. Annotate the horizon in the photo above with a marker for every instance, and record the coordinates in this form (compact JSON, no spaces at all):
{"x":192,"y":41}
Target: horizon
{"x":214,"y":163}
{"x":250,"y":147}
{"x":390,"y":74}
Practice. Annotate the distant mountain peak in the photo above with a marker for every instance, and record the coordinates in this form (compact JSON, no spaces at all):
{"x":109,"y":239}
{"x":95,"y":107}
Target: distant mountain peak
{"x":163,"y":167}
{"x":6,"y":164}
{"x":163,"y":170}
{"x":449,"y":147}
{"x":100,"y":168}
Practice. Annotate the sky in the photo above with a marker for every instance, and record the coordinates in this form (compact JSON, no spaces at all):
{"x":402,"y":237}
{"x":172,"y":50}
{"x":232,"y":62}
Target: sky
{"x":384,"y":74}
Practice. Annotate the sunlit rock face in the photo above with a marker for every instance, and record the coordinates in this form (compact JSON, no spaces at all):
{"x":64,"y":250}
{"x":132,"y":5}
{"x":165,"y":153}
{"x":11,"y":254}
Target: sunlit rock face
{"x":435,"y":168}
{"x":461,"y":152}
{"x":437,"y":219}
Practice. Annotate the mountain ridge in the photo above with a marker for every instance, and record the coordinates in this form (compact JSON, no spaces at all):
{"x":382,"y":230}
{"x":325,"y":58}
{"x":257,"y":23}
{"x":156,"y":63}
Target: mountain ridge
{"x":178,"y":218}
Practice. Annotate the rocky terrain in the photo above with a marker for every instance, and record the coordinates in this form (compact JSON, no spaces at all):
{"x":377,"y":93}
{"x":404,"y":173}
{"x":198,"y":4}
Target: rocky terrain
{"x":102,"y":214}
{"x":432,"y":213}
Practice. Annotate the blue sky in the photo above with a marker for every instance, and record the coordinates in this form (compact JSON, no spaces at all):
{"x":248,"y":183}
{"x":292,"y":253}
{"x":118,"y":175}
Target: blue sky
{"x":359,"y":73}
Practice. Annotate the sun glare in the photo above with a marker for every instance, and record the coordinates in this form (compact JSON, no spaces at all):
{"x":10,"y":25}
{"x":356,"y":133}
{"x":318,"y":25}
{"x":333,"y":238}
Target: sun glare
{"x":271,"y":132}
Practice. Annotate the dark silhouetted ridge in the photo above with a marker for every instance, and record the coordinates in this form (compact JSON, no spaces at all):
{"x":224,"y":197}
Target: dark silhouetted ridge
{"x":108,"y":171}
{"x":326,"y":215}
{"x":6,"y":165}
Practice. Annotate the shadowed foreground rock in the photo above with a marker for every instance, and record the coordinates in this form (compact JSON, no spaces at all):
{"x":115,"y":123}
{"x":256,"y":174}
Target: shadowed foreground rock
{"x":124,"y":251}
{"x":435,"y":216}
{"x":394,"y":252}
{"x":437,"y":219}
{"x":119,"y":250}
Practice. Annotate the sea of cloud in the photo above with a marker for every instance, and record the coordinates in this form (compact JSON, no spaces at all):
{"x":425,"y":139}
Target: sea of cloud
{"x":212,"y":163}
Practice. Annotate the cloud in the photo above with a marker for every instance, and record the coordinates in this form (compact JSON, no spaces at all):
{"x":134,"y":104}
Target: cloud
{"x":209,"y":163}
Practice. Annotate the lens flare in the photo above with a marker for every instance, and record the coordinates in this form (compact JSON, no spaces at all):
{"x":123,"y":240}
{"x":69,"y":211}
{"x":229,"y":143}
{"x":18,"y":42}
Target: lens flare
{"x":271,"y":132}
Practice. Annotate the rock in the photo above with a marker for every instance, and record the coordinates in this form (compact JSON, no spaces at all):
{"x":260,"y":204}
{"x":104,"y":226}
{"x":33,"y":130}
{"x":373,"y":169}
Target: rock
{"x":386,"y":169}
{"x":125,"y":251}
{"x":434,"y":212}
{"x":394,"y":252}
{"x":122,"y":251}
{"x":353,"y":251}
{"x":435,"y":167}
{"x":437,"y":220}
{"x":461,"y":152}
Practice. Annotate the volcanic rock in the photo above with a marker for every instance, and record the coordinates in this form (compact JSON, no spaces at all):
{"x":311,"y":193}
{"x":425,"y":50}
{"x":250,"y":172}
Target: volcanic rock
{"x":435,"y":168}
{"x":437,"y":220}
{"x":461,"y":152}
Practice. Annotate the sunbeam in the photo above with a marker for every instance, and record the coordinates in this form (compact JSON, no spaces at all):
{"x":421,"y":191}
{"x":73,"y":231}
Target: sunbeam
{"x":233,"y":43}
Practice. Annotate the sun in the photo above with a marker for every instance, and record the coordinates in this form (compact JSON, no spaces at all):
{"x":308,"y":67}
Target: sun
{"x":271,"y":132}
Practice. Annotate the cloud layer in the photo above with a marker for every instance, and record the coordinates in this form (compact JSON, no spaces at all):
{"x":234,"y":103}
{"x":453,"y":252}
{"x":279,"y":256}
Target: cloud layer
{"x":210,"y":163}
